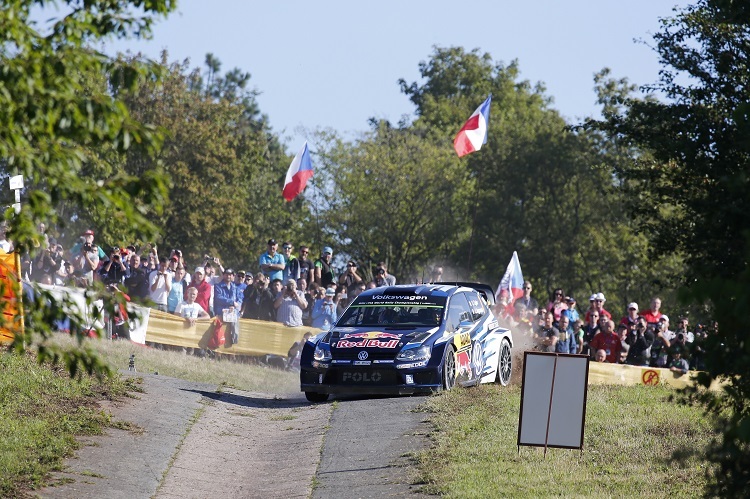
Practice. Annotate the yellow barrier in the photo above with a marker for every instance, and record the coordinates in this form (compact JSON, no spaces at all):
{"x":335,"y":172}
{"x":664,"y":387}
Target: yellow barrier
{"x":256,"y":337}
{"x":603,"y":373}
{"x":12,"y":319}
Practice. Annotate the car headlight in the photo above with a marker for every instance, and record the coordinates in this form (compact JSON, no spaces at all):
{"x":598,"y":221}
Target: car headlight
{"x":322,"y":354}
{"x":415,"y":354}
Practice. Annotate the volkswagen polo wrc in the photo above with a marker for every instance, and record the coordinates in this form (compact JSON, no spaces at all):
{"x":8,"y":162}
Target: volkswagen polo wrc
{"x":408,"y":339}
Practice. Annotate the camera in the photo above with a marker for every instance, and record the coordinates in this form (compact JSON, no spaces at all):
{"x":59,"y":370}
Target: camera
{"x":87,"y":247}
{"x":381,"y":272}
{"x":208,"y":257}
{"x":681,"y":337}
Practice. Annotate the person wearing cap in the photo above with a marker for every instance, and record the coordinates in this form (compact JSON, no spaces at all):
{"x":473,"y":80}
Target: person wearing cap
{"x":662,"y":342}
{"x":289,"y":305}
{"x":571,"y":312}
{"x":632,"y":315}
{"x":204,"y":288}
{"x":678,"y":365}
{"x":324,"y":313}
{"x":324,"y":274}
{"x":239,"y":280}
{"x":350,"y":278}
{"x":258,"y":302}
{"x":87,"y":237}
{"x":598,"y":304}
{"x":272,"y":263}
{"x":653,"y":314}
{"x":227,"y":303}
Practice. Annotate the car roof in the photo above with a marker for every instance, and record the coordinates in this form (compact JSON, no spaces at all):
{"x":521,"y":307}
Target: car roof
{"x":485,"y":289}
{"x":438,"y":289}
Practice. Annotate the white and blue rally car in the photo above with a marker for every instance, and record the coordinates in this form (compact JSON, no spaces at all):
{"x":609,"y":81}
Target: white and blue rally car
{"x":409,"y":339}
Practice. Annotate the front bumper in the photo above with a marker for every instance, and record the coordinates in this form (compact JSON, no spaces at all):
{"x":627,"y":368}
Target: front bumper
{"x":374,"y":380}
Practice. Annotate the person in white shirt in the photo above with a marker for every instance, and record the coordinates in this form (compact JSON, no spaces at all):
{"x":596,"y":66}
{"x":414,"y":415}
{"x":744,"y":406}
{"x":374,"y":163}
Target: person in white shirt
{"x":160,"y":282}
{"x":189,"y":308}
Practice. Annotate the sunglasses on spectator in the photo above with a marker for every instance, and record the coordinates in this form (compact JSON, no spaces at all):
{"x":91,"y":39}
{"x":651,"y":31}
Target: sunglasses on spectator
{"x":287,"y":247}
{"x":350,"y":265}
{"x":558,"y":294}
{"x":600,"y":301}
{"x":527,"y":287}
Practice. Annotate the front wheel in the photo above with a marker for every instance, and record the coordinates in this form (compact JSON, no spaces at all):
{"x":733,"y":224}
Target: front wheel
{"x":316,"y":397}
{"x":449,"y":368}
{"x":505,"y":364}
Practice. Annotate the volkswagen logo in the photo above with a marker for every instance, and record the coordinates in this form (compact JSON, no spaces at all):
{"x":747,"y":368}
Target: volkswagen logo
{"x":362,"y":355}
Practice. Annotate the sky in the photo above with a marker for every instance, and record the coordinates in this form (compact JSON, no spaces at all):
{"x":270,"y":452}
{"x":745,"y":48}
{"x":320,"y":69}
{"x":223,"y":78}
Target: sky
{"x":335,"y":64}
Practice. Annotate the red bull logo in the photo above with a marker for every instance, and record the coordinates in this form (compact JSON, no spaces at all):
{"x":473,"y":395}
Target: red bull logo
{"x":365,"y":343}
{"x":373,"y":335}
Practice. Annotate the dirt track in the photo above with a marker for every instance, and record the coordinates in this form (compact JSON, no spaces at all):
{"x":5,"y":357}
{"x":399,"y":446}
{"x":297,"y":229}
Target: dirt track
{"x":188,"y":440}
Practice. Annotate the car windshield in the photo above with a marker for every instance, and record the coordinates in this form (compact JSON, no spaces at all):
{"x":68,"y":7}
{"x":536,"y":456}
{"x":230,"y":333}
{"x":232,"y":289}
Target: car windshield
{"x":394,"y":313}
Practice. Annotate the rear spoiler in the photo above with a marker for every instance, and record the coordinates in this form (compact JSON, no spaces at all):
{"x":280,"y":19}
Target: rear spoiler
{"x":485,"y":289}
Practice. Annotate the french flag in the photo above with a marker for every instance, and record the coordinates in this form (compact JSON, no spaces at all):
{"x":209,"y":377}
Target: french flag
{"x":512,"y":281}
{"x":299,"y":173}
{"x":473,"y":134}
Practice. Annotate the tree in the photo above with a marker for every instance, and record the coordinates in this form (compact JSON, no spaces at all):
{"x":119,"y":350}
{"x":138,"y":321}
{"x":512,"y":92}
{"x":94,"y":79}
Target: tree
{"x":694,"y":173}
{"x":53,"y":127}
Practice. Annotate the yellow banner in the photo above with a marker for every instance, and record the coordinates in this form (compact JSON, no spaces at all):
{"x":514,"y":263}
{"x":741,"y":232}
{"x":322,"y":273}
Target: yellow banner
{"x":603,"y":373}
{"x":255,"y":337}
{"x":12,"y":319}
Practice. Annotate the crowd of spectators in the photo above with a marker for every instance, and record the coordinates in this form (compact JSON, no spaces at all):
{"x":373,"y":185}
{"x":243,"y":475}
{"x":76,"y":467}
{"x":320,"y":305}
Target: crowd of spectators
{"x":639,"y":338}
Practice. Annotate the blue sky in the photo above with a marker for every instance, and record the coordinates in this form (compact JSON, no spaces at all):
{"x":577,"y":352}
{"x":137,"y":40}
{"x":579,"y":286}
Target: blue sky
{"x":336,"y":63}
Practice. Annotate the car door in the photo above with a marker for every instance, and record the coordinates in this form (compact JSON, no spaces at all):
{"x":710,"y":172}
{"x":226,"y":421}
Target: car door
{"x":461,"y":322}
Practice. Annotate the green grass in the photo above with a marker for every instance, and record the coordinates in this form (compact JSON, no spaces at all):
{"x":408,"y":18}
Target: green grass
{"x":631,"y":434}
{"x":41,"y":412}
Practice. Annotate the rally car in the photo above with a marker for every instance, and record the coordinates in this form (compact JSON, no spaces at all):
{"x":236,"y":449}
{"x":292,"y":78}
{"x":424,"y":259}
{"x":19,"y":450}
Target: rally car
{"x":408,"y":339}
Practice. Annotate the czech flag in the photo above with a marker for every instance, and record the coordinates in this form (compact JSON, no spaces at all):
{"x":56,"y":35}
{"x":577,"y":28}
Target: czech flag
{"x":299,"y":173}
{"x":512,"y":281}
{"x":473,"y":134}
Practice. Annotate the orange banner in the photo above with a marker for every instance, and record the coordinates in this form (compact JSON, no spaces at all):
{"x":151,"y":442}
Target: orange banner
{"x":12,"y":319}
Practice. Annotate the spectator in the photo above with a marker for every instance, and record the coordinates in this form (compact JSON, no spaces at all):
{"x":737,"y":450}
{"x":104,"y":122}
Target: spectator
{"x":114,"y":270}
{"x":189,"y":309}
{"x":590,"y":330}
{"x":653,"y":314}
{"x":547,"y":335}
{"x":662,"y":342}
{"x":177,"y":292}
{"x":678,"y":365}
{"x":45,"y":263}
{"x":307,"y":312}
{"x":295,"y":352}
{"x":239,"y":281}
{"x":382,"y":273}
{"x":87,"y":261}
{"x":350,"y":278}
{"x":436,"y":275}
{"x":682,"y":333}
{"x":566,"y":342}
{"x":599,"y":307}
{"x":65,"y":276}
{"x":324,"y":313}
{"x":258,"y":301}
{"x":557,"y":303}
{"x":622,"y":332}
{"x":699,"y":348}
{"x":276,"y":287}
{"x":87,"y":239}
{"x":203,"y":288}
{"x":272,"y":263}
{"x":306,"y":267}
{"x":160,"y":282}
{"x":227,"y":305}
{"x":608,"y":340}
{"x":632,"y":316}
{"x":6,"y":246}
{"x":324,"y":274}
{"x":601,"y":356}
{"x":571,"y":312}
{"x":289,"y":305}
{"x":640,"y":342}
{"x":578,"y":332}
{"x":137,"y":283}
{"x":291,"y":269}
{"x":530,"y":304}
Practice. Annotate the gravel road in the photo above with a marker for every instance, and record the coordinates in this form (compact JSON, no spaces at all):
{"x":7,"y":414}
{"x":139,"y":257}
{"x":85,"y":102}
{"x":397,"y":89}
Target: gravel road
{"x":190,"y":440}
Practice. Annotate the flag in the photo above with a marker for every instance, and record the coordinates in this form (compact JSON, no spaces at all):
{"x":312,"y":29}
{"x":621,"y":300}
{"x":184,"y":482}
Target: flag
{"x":512,"y":281}
{"x":473,"y":134}
{"x":299,"y":173}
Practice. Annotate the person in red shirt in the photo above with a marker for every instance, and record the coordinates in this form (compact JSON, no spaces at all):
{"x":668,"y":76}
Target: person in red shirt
{"x":632,"y":316}
{"x":653,"y":314}
{"x":609,"y":341}
{"x":204,"y":288}
{"x":598,"y":304}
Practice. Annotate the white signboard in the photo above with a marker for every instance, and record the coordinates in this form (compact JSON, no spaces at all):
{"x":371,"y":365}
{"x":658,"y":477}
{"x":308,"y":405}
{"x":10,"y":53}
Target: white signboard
{"x":553,"y":400}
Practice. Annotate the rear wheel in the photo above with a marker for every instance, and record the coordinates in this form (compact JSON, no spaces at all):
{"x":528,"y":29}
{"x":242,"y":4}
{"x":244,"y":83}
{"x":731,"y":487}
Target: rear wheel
{"x":449,"y":368}
{"x":504,"y":364}
{"x":316,"y":397}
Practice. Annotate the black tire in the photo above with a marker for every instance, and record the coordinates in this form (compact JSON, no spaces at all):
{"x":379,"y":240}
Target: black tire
{"x":316,"y":397}
{"x":504,"y":364}
{"x":449,"y":368}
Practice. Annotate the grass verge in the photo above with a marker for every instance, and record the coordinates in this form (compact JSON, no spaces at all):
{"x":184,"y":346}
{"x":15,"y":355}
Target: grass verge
{"x":631,"y":434}
{"x":41,"y":411}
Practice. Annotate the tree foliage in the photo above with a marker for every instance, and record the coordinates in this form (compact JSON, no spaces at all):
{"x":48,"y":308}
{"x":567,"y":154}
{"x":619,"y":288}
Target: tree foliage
{"x":53,"y":124}
{"x":693,"y":179}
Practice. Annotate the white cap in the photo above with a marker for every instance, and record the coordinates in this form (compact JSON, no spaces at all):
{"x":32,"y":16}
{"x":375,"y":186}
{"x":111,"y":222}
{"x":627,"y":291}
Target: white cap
{"x":664,"y":318}
{"x":593,"y":297}
{"x":200,"y":269}
{"x":632,"y":305}
{"x":600,"y":296}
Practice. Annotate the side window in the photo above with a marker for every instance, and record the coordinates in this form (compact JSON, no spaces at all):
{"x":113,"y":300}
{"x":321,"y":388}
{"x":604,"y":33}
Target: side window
{"x":477,"y":305}
{"x":458,"y":311}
